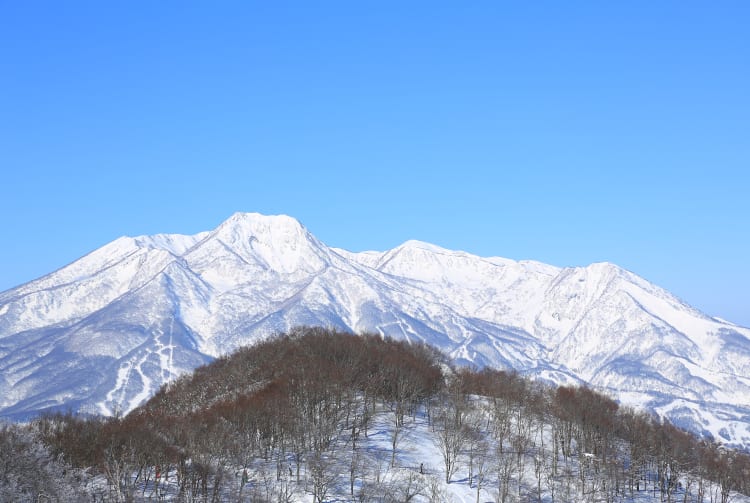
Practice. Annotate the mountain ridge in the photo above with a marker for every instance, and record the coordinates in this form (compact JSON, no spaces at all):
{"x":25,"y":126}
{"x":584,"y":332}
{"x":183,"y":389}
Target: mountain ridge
{"x":139,"y":311}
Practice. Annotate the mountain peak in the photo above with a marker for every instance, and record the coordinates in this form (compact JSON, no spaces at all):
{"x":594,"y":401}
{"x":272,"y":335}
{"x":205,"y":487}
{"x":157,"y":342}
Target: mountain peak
{"x":415,"y":243}
{"x":256,"y":221}
{"x":278,"y":242}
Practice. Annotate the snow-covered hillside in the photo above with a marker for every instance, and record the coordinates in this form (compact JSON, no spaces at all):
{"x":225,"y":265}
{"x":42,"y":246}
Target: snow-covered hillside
{"x":103,"y":333}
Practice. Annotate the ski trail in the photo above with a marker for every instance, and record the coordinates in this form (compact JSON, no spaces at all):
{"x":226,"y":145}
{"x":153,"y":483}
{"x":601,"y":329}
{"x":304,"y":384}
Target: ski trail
{"x":170,"y":369}
{"x":166,"y":354}
{"x":145,"y":392}
{"x":108,"y":405}
{"x":118,"y":399}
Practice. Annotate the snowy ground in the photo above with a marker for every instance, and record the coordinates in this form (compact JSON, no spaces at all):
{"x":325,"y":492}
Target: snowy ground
{"x":417,"y":475}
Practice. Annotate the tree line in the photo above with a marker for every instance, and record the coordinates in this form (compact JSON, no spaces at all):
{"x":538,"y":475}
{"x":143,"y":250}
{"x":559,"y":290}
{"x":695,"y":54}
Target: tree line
{"x":291,"y":414}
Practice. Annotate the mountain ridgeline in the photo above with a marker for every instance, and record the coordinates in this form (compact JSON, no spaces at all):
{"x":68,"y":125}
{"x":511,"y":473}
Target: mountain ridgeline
{"x":104,"y":333}
{"x":328,"y":415}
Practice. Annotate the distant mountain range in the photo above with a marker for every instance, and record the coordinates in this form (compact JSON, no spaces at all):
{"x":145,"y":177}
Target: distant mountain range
{"x":103,"y":333}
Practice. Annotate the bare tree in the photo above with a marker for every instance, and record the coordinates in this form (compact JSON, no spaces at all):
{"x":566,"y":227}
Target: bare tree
{"x":29,"y":472}
{"x":323,"y":475}
{"x":482,"y":465}
{"x":450,"y":422}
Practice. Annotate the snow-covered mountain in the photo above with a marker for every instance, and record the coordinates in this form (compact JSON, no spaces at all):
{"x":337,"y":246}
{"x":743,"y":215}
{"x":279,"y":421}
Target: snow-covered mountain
{"x":103,"y":333}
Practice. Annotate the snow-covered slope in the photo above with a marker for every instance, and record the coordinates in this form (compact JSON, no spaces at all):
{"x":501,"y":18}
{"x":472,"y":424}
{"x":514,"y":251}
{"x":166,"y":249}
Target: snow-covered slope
{"x":103,"y":333}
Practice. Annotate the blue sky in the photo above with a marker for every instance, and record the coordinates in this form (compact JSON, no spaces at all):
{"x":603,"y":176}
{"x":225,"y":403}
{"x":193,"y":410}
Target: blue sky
{"x":565,"y":132}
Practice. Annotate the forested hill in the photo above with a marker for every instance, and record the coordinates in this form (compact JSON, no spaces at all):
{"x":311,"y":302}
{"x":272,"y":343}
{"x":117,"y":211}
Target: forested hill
{"x":310,"y":364}
{"x":321,"y":415}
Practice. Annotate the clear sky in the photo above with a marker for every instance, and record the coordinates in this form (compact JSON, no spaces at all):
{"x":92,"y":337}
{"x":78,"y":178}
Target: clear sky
{"x":565,"y":132}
